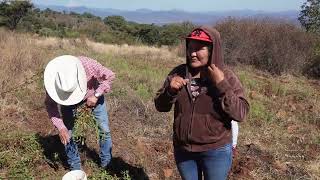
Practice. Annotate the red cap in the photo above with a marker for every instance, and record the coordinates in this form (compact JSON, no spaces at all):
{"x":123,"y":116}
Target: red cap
{"x":200,"y":35}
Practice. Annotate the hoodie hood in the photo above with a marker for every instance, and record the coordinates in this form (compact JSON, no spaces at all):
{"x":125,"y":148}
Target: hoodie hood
{"x":216,"y":52}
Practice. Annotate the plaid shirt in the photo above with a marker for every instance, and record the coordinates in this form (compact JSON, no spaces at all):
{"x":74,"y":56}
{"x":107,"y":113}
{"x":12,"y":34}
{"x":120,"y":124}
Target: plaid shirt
{"x":99,"y":80}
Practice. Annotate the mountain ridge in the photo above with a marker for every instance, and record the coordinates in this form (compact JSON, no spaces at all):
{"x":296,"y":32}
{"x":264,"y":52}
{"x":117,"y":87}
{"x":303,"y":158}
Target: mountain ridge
{"x":148,"y":16}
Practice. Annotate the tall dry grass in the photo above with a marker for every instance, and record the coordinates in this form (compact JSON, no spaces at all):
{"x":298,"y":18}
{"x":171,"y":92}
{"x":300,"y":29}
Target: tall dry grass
{"x":19,"y":59}
{"x":152,"y":55}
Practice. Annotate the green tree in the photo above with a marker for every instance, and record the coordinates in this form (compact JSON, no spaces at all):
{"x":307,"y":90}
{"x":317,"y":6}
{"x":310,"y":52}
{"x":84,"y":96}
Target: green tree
{"x":310,"y":16}
{"x":90,"y":16}
{"x":32,"y":22}
{"x":115,"y":22}
{"x":11,"y":12}
{"x":172,"y":34}
{"x":149,"y":34}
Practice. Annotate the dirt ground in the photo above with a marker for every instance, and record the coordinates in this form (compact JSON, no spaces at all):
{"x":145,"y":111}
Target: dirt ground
{"x":143,"y":157}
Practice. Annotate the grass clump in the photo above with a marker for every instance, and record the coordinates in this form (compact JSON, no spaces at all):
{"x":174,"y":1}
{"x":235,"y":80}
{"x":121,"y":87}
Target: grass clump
{"x":259,"y":112}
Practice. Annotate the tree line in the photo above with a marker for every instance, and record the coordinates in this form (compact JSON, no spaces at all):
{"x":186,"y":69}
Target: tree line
{"x":23,"y":16}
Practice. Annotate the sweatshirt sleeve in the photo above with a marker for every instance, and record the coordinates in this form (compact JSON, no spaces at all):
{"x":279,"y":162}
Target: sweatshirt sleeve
{"x":164,"y":99}
{"x":232,"y":98}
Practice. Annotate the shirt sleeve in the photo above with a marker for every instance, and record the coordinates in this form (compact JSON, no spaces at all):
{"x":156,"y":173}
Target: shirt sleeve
{"x":104,"y":75}
{"x":53,"y":113}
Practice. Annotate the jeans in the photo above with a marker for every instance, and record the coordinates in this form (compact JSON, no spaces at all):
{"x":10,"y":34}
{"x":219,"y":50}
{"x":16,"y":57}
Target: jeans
{"x":101,"y":117}
{"x":214,"y":164}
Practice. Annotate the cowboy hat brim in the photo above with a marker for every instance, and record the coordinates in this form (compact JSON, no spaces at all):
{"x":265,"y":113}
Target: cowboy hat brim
{"x":61,"y":97}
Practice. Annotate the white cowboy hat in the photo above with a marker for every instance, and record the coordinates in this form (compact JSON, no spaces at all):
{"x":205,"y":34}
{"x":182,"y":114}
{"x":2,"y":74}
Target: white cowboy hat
{"x":65,"y":80}
{"x":75,"y":175}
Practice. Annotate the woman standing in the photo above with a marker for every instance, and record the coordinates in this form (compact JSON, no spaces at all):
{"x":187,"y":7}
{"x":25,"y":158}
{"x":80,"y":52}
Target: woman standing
{"x":207,"y":96}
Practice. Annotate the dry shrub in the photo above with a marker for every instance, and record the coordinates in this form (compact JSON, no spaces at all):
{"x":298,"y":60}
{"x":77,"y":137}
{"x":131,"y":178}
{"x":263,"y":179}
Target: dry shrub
{"x":276,"y":47}
{"x":313,"y":70}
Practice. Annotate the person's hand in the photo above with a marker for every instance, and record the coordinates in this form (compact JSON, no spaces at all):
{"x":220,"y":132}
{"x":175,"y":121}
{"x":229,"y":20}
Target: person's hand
{"x":216,"y":75}
{"x":92,"y":101}
{"x":234,"y":152}
{"x":64,"y":136}
{"x":177,"y":83}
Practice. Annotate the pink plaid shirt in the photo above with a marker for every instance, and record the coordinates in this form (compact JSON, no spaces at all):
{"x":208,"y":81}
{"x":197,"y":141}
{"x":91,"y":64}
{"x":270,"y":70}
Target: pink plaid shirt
{"x":99,"y":80}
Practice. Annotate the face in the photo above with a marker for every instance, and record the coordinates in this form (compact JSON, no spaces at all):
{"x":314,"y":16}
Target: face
{"x":198,"y":54}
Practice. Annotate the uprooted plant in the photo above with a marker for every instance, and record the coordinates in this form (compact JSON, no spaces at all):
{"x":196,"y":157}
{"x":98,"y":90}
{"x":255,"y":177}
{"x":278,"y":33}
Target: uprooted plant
{"x":84,"y":125}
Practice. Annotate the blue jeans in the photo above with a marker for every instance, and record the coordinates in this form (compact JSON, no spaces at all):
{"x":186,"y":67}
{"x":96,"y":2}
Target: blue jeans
{"x":101,"y":117}
{"x":214,"y":164}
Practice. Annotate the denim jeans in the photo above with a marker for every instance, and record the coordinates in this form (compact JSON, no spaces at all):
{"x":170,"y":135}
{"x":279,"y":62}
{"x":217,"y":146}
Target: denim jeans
{"x":101,"y":117}
{"x":214,"y":164}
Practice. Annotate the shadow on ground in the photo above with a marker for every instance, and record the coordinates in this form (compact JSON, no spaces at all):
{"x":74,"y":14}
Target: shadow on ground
{"x":54,"y":153}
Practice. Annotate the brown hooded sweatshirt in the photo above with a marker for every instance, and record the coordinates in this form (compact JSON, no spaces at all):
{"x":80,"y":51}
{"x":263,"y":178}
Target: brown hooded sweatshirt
{"x":204,"y":123}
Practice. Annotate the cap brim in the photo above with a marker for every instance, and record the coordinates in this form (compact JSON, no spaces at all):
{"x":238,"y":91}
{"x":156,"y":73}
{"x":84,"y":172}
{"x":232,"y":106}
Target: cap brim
{"x":198,"y":39}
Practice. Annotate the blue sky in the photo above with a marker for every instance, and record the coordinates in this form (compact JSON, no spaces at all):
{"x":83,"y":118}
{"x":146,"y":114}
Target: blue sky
{"x":187,"y":5}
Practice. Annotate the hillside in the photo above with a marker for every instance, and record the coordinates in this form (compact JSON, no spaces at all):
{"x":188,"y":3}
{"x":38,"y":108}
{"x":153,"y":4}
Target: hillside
{"x":279,"y":140}
{"x":148,"y":16}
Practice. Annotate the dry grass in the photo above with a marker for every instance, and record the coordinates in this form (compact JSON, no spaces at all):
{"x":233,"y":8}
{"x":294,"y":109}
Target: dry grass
{"x":19,"y":60}
{"x":279,"y":140}
{"x":147,"y":52}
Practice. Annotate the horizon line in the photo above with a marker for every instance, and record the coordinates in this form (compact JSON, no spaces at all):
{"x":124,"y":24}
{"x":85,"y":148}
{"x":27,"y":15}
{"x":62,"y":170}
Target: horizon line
{"x":174,"y":9}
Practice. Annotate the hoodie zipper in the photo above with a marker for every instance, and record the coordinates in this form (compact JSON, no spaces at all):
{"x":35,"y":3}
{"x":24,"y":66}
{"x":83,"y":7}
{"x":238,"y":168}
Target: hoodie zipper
{"x":193,"y":103}
{"x":191,"y":121}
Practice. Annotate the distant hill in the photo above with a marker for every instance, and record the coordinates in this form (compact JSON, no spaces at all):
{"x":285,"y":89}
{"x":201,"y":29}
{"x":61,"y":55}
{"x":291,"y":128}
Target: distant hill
{"x":148,"y":16}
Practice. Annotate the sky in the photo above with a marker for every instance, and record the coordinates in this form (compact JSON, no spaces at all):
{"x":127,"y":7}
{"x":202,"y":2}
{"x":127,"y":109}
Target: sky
{"x":186,"y":5}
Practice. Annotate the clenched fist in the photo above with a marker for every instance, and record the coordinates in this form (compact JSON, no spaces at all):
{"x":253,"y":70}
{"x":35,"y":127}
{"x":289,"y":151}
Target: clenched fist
{"x":177,"y":83}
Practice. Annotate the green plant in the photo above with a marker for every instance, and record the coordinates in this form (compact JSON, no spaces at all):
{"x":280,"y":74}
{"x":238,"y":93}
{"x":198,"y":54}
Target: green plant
{"x":4,"y":159}
{"x":119,"y":92}
{"x":143,"y":91}
{"x":247,"y":81}
{"x":20,"y":170}
{"x":72,"y":34}
{"x":84,"y":124}
{"x":259,"y":112}
{"x":103,"y":175}
{"x":125,"y":175}
{"x":278,"y":89}
{"x":47,"y":32}
{"x":21,"y":155}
